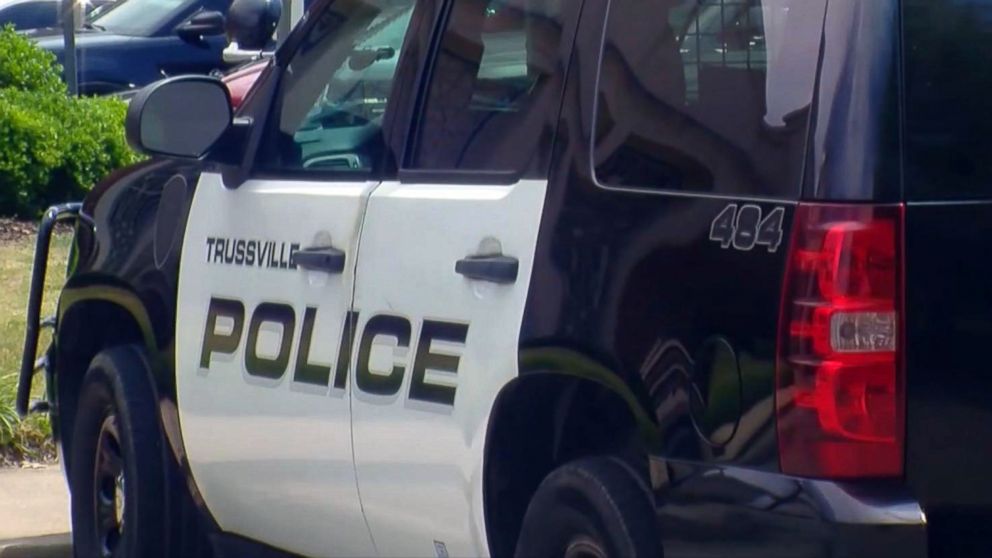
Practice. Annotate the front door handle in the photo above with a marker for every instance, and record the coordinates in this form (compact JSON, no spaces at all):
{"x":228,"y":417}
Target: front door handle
{"x":320,"y":258}
{"x":496,"y":269}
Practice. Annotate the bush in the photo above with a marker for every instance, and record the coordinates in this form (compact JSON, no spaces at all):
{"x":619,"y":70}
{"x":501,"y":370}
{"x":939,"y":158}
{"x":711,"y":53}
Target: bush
{"x":53,"y":147}
{"x":25,"y":67}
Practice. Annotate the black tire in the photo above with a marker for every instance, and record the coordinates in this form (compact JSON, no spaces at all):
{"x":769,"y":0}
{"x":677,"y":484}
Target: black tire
{"x":592,"y":507}
{"x":117,"y":447}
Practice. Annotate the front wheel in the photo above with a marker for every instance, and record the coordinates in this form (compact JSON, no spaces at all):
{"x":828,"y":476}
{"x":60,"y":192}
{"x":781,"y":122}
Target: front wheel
{"x":595,"y":507}
{"x":116,"y":472}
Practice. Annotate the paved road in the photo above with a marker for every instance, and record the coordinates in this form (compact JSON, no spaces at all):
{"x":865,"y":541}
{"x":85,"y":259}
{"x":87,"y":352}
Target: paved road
{"x":34,"y":513}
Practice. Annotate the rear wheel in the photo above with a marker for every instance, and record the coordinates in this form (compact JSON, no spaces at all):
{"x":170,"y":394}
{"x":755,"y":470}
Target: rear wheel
{"x":595,"y":507}
{"x":117,"y":474}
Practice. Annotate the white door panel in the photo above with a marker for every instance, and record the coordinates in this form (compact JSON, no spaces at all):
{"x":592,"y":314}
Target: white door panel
{"x":272,"y":456}
{"x":420,"y":463}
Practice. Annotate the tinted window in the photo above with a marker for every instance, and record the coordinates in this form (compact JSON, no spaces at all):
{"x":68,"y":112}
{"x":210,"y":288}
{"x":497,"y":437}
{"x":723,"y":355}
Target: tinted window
{"x":707,"y":95}
{"x":493,"y":94}
{"x":948,"y":71}
{"x":336,"y":89}
{"x":31,"y":15}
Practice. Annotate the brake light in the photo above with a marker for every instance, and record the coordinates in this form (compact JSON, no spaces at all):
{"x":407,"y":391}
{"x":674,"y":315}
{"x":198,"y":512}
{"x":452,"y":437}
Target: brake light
{"x":839,"y":372}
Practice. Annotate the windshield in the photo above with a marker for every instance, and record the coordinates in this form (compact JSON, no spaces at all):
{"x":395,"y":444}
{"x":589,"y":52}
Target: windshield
{"x":97,"y":9}
{"x":141,"y":18}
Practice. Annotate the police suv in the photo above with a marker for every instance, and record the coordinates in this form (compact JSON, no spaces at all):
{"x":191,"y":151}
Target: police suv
{"x":576,"y":278}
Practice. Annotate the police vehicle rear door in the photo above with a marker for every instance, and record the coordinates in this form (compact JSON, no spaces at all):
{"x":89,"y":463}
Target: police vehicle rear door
{"x":445,"y":266}
{"x":266,"y":291}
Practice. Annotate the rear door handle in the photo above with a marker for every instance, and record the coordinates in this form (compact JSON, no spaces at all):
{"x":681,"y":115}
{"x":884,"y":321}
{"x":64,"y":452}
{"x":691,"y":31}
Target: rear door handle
{"x":495,"y":269}
{"x":320,"y":258}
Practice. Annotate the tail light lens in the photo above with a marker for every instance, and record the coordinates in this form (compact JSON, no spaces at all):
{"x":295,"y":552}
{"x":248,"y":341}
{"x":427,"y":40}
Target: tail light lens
{"x":839,"y":372}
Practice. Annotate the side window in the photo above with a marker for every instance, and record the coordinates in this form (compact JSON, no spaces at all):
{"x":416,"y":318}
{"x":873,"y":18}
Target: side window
{"x":331,"y":101}
{"x":706,"y":95}
{"x":493,"y":97}
{"x":32,"y":15}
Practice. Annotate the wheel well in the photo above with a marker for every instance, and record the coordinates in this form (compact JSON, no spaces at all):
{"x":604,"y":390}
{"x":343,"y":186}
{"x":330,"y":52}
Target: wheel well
{"x":84,"y":330}
{"x":540,"y":422}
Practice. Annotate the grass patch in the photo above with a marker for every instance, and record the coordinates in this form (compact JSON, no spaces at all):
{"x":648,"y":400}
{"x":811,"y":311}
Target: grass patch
{"x":28,"y":439}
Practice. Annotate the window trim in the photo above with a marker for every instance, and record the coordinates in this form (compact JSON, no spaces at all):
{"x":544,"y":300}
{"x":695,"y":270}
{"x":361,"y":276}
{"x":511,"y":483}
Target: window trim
{"x":459,"y":176}
{"x":425,"y":76}
{"x":298,"y":175}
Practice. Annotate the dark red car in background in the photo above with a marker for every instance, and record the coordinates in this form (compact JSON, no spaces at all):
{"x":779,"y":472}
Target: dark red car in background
{"x":241,"y":80}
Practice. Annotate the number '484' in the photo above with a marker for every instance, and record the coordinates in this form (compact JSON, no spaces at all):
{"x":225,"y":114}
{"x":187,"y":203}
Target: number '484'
{"x":745,"y":228}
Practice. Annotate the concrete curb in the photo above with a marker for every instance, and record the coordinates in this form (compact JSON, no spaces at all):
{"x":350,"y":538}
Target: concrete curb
{"x":45,"y":546}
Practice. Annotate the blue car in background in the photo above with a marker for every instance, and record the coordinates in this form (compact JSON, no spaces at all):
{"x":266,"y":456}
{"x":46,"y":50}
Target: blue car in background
{"x":34,"y":14}
{"x":137,"y":42}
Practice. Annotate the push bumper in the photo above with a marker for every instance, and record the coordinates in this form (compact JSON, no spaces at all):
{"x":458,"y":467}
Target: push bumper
{"x":30,"y":365}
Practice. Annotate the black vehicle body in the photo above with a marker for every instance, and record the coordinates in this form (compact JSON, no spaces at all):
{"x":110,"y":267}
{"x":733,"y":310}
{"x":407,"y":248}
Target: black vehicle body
{"x":633,"y":311}
{"x":111,"y":60}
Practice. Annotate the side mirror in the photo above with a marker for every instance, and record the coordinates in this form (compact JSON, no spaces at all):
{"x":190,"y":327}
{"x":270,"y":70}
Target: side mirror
{"x":252,"y":23}
{"x":202,"y":24}
{"x":180,"y":117}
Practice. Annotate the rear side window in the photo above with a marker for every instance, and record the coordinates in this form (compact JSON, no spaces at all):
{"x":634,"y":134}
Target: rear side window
{"x":493,"y":95}
{"x":709,"y":96}
{"x":948,"y":76}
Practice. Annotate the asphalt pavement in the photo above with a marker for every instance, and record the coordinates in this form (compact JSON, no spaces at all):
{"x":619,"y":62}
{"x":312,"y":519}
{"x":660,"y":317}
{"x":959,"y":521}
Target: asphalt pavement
{"x":34,"y":513}
{"x":45,"y":546}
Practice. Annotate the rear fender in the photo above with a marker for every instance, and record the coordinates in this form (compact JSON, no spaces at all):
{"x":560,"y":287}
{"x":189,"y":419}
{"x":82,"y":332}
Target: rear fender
{"x":565,"y":405}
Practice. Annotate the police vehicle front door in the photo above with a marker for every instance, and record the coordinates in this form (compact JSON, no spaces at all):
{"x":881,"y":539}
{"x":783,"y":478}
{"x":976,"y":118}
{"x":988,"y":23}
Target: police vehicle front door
{"x":444,"y":271}
{"x":266,"y":285}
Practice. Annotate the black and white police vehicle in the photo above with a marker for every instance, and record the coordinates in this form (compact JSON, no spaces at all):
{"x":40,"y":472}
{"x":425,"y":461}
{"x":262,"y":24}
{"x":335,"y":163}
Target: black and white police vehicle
{"x":544,"y":278}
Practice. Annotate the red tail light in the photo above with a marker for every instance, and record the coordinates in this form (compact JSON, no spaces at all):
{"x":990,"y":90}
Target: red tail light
{"x":839,"y":372}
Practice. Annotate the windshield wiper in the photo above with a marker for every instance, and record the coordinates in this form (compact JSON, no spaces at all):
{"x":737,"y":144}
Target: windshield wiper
{"x":91,"y":25}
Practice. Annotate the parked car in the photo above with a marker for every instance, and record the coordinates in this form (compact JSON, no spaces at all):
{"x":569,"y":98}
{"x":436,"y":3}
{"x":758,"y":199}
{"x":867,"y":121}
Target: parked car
{"x":34,"y":14}
{"x":141,"y":41}
{"x":29,"y":14}
{"x":534,"y":278}
{"x":259,"y":43}
{"x":240,"y":81}
{"x":251,"y":25}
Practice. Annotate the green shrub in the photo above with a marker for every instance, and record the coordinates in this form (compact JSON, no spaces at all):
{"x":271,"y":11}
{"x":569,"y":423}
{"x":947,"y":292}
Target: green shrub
{"x":26,"y":67}
{"x":53,"y":147}
{"x":29,"y":152}
{"x":95,"y":139}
